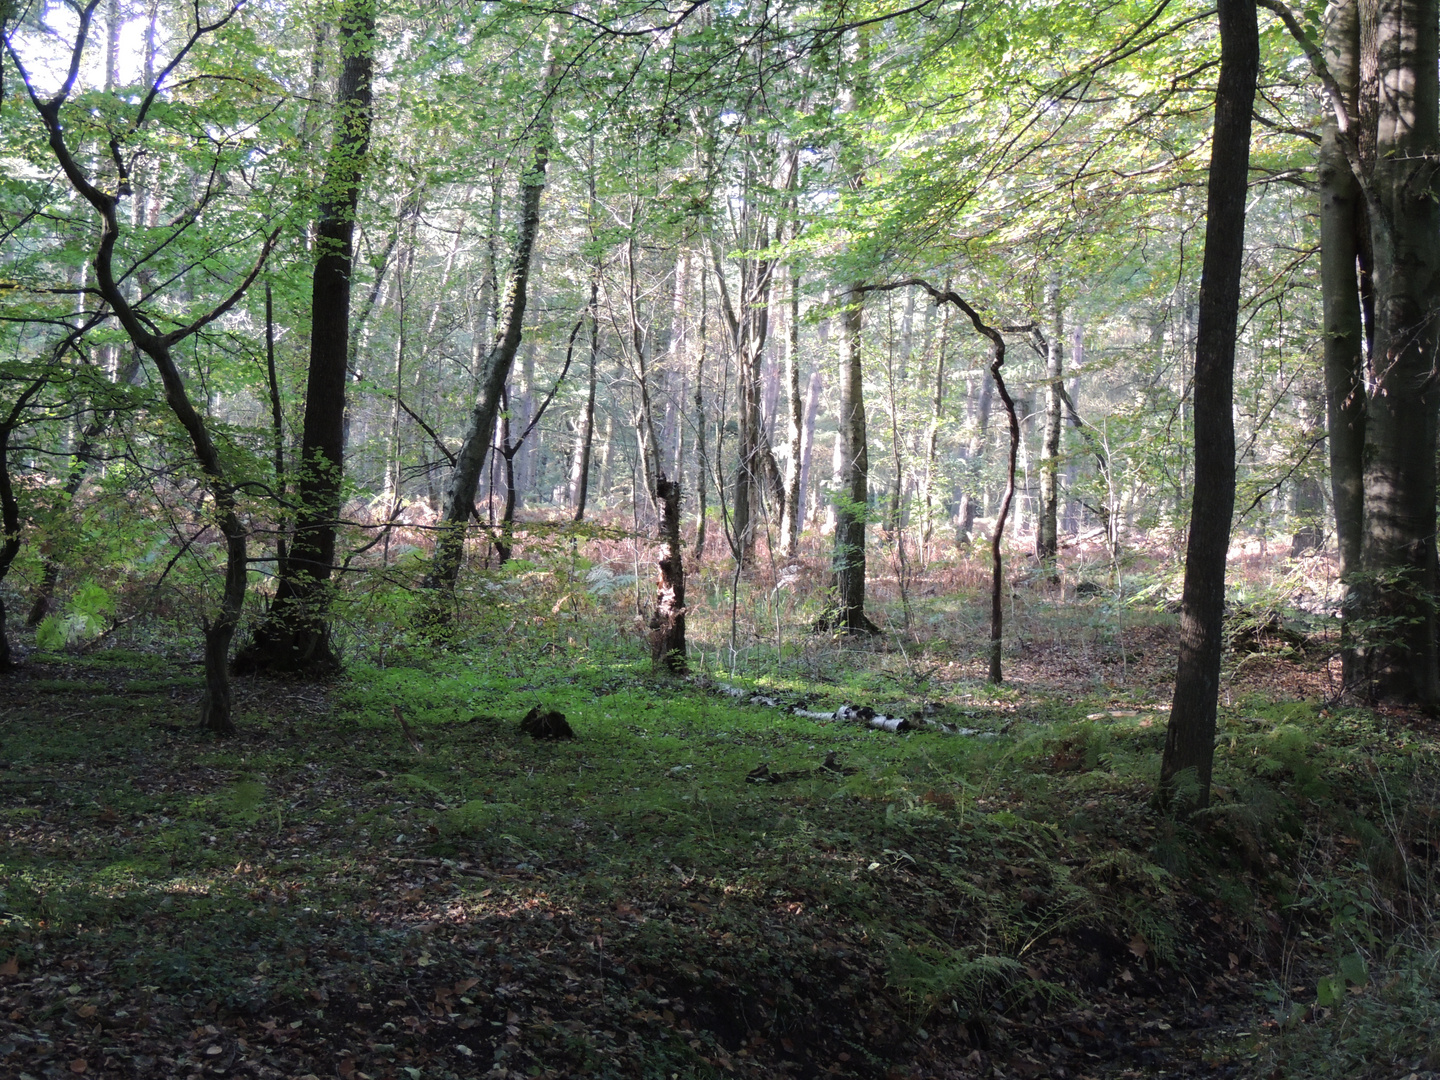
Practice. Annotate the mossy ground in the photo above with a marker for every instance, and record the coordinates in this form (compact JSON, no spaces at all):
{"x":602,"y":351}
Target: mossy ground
{"x":321,"y":896}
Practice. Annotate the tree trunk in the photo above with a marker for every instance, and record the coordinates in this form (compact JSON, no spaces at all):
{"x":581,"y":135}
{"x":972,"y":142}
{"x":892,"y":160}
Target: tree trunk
{"x":1397,"y":595}
{"x":459,"y":504}
{"x":807,"y":445}
{"x":667,"y":623}
{"x":295,"y":635}
{"x":1342,"y":218}
{"x":1190,"y":737}
{"x":585,"y":430}
{"x":932,"y":434}
{"x":702,"y":457}
{"x":216,"y":714}
{"x":791,"y":511}
{"x":1047,"y":535}
{"x":852,"y":499}
{"x":10,"y":508}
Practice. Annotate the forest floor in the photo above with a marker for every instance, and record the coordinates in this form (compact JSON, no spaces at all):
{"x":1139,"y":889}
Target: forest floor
{"x":326,"y":895}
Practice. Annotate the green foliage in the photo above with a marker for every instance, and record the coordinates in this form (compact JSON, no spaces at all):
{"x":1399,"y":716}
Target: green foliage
{"x":85,"y":616}
{"x":934,"y":978}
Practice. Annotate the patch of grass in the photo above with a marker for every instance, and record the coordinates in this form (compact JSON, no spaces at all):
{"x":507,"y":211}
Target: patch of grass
{"x":981,"y":891}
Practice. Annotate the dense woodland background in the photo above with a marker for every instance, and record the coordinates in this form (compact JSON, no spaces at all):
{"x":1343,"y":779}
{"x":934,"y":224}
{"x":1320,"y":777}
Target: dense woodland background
{"x":1017,"y":420}
{"x":730,"y":193}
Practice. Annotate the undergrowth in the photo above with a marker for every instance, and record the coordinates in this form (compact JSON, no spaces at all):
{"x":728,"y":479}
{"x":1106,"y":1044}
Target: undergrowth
{"x":1004,"y":895}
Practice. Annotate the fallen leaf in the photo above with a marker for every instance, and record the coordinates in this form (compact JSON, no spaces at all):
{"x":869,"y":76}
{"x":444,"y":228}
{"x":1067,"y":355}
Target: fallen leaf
{"x":79,"y":1065}
{"x":1139,"y":946}
{"x":11,"y":966}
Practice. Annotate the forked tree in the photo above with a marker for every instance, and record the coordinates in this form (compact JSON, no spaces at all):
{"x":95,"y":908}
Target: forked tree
{"x":141,"y":321}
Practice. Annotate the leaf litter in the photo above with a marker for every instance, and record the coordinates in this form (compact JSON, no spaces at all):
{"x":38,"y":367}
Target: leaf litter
{"x":321,"y":897}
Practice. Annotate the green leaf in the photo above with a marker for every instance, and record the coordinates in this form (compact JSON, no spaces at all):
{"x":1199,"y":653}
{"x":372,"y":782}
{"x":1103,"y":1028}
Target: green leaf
{"x":1354,"y":970}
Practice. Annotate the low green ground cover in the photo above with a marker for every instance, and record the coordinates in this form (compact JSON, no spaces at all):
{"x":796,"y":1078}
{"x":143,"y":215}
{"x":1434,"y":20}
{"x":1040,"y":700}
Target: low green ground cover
{"x":324,"y":895}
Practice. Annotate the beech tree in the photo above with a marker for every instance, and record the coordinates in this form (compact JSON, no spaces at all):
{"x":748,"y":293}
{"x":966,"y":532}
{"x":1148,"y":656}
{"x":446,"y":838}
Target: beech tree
{"x":1190,"y":736}
{"x":295,"y":636}
{"x":141,"y":318}
{"x":1383,"y":131}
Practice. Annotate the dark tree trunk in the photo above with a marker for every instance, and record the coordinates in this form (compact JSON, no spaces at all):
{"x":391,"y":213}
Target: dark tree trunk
{"x":852,"y":500}
{"x":1342,"y":218}
{"x":585,"y":429}
{"x":667,"y":623}
{"x":1397,"y":594}
{"x":10,"y":509}
{"x":295,"y":635}
{"x":1190,"y":737}
{"x":791,"y":512}
{"x":997,"y":361}
{"x":1047,"y":534}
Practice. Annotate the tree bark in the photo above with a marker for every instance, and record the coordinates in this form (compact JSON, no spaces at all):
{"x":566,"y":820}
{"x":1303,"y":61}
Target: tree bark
{"x":216,"y":705}
{"x":852,"y":499}
{"x":932,"y":433}
{"x":1342,"y":218}
{"x":585,"y":429}
{"x":459,"y":504}
{"x":667,"y":623}
{"x":10,"y":508}
{"x":791,"y":511}
{"x":295,"y":635}
{"x":1047,"y":535}
{"x":1398,"y":552}
{"x":1190,"y":737}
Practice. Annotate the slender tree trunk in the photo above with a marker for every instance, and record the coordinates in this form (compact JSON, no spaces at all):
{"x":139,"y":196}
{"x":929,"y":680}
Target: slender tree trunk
{"x":702,"y":456}
{"x":1342,"y":219}
{"x":1190,"y":737}
{"x":459,"y":504}
{"x":277,"y":432}
{"x":1047,"y":535}
{"x":791,"y":512}
{"x":932,"y":433}
{"x":585,"y":430}
{"x":807,"y":445}
{"x":10,"y":508}
{"x":853,"y":497}
{"x":585,"y":433}
{"x":295,"y":636}
{"x":216,"y":706}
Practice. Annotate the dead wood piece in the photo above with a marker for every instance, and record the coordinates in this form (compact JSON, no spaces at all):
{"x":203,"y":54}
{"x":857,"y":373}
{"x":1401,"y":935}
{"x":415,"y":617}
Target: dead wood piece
{"x":829,"y":768}
{"x":867,"y":715}
{"x":546,"y":724}
{"x":406,"y":731}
